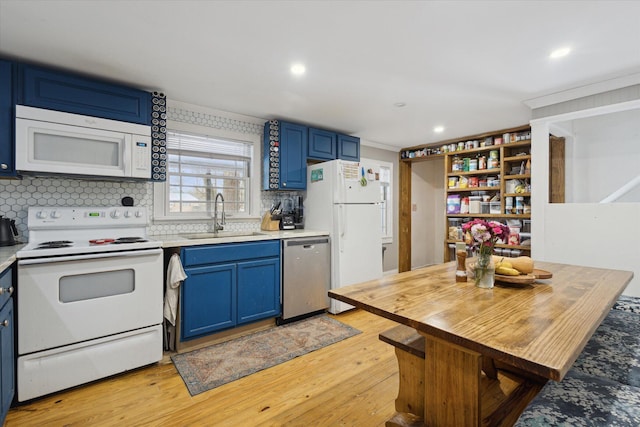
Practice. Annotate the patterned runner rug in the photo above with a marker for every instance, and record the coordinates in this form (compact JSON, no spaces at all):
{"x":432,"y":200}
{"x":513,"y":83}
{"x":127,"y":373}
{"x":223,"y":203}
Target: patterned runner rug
{"x":219,"y":364}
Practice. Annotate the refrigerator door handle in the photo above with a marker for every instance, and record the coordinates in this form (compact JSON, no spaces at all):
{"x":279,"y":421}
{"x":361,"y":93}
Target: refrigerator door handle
{"x":343,"y":227}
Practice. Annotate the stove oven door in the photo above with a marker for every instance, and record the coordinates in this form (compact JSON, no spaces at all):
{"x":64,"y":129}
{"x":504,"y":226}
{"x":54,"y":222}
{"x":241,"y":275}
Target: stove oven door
{"x":71,"y":299}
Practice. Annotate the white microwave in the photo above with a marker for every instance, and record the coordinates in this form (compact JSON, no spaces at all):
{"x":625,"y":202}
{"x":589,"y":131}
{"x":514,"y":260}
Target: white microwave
{"x":50,"y":141}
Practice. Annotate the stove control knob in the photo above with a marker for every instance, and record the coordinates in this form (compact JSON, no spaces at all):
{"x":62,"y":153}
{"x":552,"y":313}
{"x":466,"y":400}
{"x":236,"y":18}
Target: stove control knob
{"x":55,"y":214}
{"x":115,"y":214}
{"x":42,"y":214}
{"x":127,"y":214}
{"x":138,"y":214}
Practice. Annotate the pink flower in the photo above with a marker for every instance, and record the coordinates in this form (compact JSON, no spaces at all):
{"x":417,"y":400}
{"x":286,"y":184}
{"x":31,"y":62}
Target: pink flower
{"x":485,"y":233}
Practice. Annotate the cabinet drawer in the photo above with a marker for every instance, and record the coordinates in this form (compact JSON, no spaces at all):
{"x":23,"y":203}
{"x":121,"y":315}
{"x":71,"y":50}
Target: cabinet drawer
{"x":6,"y":286}
{"x":229,"y":252}
{"x":56,"y":90}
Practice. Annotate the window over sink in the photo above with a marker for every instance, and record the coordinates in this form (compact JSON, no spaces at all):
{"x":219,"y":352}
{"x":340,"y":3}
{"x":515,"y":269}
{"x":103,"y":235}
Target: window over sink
{"x":202,"y":162}
{"x":386,"y":205}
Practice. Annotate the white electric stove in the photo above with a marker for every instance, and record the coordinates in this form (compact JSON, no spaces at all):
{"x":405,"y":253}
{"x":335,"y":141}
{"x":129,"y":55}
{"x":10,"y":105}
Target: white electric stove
{"x":89,"y":297}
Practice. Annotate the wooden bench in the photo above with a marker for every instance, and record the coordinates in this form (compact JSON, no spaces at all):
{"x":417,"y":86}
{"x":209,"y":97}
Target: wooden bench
{"x":409,"y":347}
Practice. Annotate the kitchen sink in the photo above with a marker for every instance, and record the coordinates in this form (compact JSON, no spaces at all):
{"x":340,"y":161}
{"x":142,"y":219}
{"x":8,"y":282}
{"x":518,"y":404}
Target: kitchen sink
{"x":221,"y":234}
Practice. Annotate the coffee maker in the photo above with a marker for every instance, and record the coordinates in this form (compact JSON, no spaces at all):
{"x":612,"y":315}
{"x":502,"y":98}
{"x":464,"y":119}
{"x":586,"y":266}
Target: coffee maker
{"x":292,"y":210}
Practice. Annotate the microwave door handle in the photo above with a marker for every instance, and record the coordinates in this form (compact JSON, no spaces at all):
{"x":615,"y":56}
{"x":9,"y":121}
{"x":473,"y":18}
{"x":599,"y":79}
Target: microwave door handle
{"x":126,"y":155}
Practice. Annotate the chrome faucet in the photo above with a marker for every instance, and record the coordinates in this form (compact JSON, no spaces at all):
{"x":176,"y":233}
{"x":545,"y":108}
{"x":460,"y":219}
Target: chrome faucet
{"x":217,"y":226}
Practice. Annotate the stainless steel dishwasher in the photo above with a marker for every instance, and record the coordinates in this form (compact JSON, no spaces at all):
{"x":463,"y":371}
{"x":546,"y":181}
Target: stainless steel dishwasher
{"x":306,"y":277}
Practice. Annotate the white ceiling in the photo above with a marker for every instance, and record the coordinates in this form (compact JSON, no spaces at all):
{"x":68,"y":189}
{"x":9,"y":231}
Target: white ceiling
{"x":466,"y":65}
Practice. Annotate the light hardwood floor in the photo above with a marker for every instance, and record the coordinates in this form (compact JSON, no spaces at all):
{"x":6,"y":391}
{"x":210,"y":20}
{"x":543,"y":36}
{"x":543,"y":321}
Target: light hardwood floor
{"x":351,"y":383}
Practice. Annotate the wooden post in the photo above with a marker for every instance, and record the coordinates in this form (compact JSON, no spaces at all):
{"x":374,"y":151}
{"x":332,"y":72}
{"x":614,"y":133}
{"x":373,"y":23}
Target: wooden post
{"x":556,"y":169}
{"x":404,"y":232}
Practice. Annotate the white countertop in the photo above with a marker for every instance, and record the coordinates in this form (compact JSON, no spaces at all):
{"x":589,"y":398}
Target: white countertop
{"x":178,"y":240}
{"x":8,"y":255}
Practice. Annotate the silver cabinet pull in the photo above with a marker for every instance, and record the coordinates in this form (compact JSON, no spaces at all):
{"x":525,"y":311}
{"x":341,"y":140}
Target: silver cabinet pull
{"x":9,"y":289}
{"x":5,"y":323}
{"x":4,"y":166}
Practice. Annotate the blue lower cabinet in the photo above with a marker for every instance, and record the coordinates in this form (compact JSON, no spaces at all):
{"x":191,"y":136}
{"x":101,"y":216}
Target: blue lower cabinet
{"x":7,"y":351}
{"x":208,"y":300}
{"x":228,"y":285}
{"x":258,"y":290}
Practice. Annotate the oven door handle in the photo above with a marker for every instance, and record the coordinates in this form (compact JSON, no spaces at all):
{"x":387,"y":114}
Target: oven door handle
{"x":33,"y":261}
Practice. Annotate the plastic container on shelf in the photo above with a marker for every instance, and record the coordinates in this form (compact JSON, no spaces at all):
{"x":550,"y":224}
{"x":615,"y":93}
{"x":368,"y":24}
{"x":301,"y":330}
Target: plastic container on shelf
{"x":494,"y":207}
{"x":464,"y":205}
{"x":508,"y":205}
{"x":474,"y":204}
{"x":484,"y":207}
{"x":455,"y":222}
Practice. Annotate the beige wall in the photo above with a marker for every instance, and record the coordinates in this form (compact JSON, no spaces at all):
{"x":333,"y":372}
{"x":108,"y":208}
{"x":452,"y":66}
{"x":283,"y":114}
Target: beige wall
{"x":427,"y":212}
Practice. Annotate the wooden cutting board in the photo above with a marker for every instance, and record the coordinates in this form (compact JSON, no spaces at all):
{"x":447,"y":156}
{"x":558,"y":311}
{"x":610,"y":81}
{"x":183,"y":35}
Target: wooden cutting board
{"x":524,"y":279}
{"x":542,"y":274}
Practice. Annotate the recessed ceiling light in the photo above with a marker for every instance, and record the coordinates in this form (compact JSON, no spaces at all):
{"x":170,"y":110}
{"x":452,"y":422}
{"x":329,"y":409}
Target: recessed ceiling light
{"x":559,"y":53}
{"x":400,"y":104}
{"x":438,"y":129}
{"x":298,"y":69}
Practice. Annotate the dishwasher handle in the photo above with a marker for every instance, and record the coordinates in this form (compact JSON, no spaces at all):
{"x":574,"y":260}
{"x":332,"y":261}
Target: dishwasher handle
{"x":306,"y":243}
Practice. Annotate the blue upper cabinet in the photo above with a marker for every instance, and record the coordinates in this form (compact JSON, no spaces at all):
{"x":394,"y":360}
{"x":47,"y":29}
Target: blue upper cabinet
{"x":72,"y":93}
{"x":348,"y":147}
{"x":284,"y":156}
{"x":7,"y":119}
{"x":293,"y":156}
{"x":322,"y":144}
{"x":287,"y":146}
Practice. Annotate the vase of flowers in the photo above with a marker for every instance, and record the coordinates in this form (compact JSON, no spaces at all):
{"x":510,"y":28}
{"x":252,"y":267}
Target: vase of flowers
{"x":483,"y":236}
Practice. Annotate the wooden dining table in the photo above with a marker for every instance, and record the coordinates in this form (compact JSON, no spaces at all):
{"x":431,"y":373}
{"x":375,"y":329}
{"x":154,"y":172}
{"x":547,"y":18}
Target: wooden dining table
{"x":487,"y":352}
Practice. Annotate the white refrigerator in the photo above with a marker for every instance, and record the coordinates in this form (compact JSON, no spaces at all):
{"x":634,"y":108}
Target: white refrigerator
{"x":344,"y":198}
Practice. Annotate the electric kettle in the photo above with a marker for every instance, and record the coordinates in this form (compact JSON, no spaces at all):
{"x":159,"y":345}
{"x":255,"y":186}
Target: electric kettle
{"x":8,"y":231}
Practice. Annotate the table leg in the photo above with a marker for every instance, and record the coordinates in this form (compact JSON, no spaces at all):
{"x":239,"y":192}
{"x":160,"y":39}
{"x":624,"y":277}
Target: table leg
{"x":452,"y":375}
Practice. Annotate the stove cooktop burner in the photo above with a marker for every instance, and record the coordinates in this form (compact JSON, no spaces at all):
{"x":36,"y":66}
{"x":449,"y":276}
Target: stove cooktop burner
{"x":55,"y":244}
{"x":129,"y":240}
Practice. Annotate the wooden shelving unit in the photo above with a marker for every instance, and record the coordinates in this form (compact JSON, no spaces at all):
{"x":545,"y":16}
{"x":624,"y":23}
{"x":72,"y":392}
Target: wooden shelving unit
{"x":502,"y":162}
{"x":509,"y":155}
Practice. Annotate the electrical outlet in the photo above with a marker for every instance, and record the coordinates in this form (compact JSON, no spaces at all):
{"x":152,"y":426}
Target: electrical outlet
{"x":414,"y":207}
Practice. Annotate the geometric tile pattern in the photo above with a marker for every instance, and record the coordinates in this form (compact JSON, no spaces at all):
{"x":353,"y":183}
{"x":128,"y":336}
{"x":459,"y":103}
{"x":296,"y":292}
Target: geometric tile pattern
{"x":212,"y":121}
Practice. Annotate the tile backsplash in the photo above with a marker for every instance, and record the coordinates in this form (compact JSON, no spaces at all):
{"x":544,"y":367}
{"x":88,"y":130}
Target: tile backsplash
{"x":16,"y":195}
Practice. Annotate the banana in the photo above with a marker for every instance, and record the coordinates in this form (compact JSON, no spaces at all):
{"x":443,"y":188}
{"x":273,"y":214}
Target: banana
{"x":507,"y":271}
{"x":504,"y":264}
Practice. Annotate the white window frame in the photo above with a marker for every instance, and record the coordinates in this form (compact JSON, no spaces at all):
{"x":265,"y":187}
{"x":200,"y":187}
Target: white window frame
{"x":388,"y":236}
{"x":160,"y":189}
